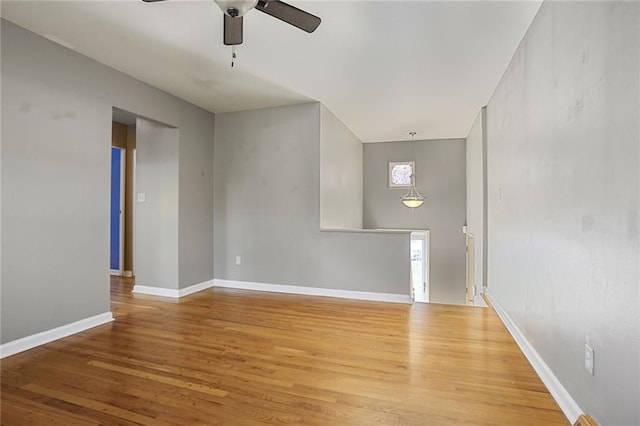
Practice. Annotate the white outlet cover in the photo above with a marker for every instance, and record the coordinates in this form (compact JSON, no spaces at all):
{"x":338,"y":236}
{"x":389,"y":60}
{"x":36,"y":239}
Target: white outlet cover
{"x":238,"y":260}
{"x":141,"y":197}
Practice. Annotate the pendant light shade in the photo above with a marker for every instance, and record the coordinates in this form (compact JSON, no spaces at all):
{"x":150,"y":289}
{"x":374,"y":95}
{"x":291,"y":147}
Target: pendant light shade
{"x":413,"y":198}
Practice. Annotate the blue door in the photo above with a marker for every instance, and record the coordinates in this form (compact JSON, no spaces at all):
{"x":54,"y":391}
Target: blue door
{"x":116,"y":173}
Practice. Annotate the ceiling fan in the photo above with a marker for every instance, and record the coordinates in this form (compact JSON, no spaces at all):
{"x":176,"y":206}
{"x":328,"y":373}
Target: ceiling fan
{"x":234,"y":10}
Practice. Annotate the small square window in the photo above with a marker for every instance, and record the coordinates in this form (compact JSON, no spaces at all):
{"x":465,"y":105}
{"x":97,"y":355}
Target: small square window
{"x":401,"y":174}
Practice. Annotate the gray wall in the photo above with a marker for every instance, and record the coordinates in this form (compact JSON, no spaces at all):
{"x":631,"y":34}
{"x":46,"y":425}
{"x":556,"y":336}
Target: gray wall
{"x":440,"y":173}
{"x":195,"y":165}
{"x":267,"y":204}
{"x":156,"y":219}
{"x":340,"y":174}
{"x":475,"y":196}
{"x":563,"y":132}
{"x":56,"y":137}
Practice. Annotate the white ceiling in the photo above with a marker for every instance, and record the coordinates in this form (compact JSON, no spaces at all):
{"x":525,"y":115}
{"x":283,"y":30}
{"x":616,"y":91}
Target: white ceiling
{"x":383,"y":67}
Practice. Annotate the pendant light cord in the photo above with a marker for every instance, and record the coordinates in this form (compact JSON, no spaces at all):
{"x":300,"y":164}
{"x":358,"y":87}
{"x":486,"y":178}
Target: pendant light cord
{"x":413,"y":199}
{"x":413,"y":157}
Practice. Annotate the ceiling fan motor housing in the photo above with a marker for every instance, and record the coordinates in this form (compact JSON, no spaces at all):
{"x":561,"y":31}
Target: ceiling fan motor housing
{"x":236,"y":8}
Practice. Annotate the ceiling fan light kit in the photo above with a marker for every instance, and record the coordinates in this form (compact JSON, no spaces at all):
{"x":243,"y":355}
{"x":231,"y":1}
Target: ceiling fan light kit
{"x":236,"y":8}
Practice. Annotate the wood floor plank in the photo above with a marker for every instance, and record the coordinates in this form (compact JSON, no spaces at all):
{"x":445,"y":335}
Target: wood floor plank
{"x":234,"y":357}
{"x":24,"y":408}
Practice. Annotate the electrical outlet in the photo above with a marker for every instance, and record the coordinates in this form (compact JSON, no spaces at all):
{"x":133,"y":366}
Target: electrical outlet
{"x":238,"y":260}
{"x":588,"y":358}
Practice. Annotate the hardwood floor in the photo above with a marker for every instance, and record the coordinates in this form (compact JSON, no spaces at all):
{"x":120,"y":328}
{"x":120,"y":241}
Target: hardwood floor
{"x":238,"y":357}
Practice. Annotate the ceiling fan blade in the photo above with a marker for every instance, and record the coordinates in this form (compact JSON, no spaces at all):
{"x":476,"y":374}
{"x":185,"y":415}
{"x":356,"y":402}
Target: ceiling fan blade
{"x":289,"y":14}
{"x":232,"y":30}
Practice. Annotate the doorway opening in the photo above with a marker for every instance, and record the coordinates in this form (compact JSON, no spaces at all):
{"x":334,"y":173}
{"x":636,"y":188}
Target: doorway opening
{"x":148,"y":151}
{"x":420,"y":266}
{"x":123,"y":135}
{"x":470,"y":293}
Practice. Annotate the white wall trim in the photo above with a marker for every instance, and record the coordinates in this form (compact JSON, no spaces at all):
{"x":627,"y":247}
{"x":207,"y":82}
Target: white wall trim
{"x":30,"y":342}
{"x":156,"y":291}
{"x":170,"y":292}
{"x":115,"y":272}
{"x":479,"y":301}
{"x":195,"y":288}
{"x":567,"y":404}
{"x":314,"y":291}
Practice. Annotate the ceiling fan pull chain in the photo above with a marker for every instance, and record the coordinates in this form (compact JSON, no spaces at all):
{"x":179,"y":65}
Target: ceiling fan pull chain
{"x":233,"y":56}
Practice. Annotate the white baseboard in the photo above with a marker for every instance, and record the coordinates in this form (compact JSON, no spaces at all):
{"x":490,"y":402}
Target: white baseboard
{"x":115,"y":272}
{"x":313,"y":291}
{"x":173,"y":293}
{"x":567,"y":404}
{"x":156,"y":291}
{"x":479,"y":301}
{"x":195,"y":288}
{"x":30,"y":342}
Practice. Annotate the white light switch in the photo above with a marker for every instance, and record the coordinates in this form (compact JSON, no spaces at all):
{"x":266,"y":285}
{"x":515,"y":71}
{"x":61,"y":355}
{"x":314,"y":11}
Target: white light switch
{"x":141,"y":197}
{"x":238,"y":260}
{"x":588,"y":359}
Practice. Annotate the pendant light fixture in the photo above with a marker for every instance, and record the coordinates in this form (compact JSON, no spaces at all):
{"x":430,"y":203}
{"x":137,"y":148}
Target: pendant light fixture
{"x":413,"y":199}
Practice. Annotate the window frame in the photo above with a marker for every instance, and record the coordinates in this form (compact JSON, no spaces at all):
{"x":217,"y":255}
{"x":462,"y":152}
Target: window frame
{"x":393,"y":164}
